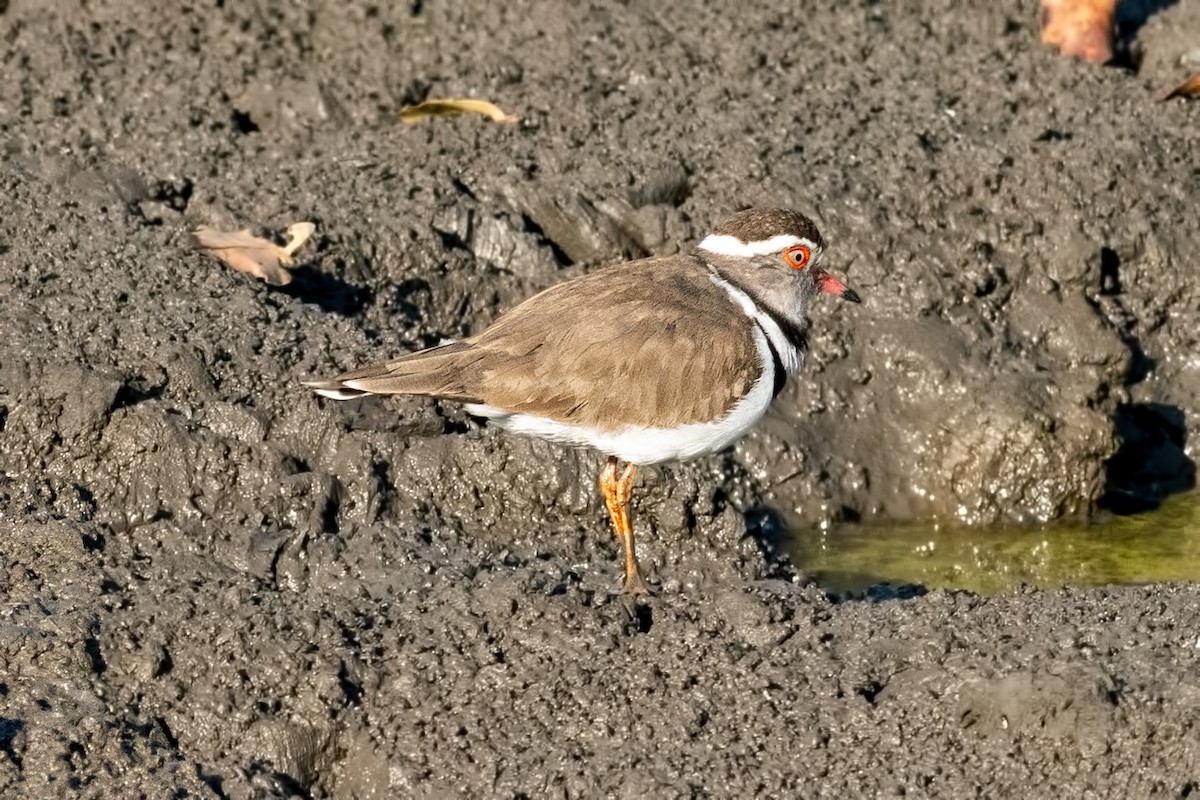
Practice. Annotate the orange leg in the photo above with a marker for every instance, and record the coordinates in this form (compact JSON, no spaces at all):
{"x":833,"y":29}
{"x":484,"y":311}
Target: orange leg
{"x":618,"y":492}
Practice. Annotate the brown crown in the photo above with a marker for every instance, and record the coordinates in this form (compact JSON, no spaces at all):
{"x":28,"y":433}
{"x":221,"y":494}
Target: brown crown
{"x":760,"y":224}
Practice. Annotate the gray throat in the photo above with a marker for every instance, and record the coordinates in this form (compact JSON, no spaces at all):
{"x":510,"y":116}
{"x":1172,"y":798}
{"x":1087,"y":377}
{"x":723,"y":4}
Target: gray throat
{"x":796,"y":334}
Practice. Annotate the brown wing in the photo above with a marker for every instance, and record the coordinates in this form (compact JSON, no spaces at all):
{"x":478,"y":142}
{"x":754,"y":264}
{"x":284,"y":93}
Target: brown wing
{"x":652,"y":343}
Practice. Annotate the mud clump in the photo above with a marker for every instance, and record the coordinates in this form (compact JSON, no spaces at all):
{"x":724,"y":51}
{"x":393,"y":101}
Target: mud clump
{"x":216,"y":584}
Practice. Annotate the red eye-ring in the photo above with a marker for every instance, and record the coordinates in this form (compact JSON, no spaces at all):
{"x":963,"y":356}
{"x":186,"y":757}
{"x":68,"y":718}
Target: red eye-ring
{"x":797,"y":256}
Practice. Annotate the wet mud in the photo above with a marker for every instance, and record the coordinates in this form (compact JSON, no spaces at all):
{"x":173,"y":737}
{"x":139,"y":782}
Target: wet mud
{"x":216,"y":584}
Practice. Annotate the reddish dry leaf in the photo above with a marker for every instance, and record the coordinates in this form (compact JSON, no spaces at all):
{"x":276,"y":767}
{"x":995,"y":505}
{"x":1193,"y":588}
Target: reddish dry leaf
{"x":449,"y":106}
{"x":1189,"y":88}
{"x":248,"y":253}
{"x":1082,"y":28}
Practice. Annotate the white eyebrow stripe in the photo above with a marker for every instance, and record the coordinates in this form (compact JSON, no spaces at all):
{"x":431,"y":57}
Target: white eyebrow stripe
{"x":727,"y":245}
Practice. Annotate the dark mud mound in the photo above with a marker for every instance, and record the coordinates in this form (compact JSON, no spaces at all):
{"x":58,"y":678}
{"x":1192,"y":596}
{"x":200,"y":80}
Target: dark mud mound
{"x":217,"y":583}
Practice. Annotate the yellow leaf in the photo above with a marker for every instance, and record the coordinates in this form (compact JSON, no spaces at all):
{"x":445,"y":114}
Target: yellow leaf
{"x":448,"y":106}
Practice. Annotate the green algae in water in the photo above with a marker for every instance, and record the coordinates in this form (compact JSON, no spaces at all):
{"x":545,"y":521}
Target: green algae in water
{"x":1158,"y":546}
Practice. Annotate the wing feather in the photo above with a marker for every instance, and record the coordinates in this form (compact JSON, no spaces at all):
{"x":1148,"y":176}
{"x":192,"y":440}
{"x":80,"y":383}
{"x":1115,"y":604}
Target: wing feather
{"x":661,"y":346}
{"x":651,"y":343}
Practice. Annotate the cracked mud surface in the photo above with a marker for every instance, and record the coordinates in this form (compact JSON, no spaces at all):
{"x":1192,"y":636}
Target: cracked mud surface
{"x":216,"y":584}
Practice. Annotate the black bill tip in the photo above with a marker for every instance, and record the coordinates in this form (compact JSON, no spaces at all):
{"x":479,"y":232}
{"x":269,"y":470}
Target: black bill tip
{"x":852,"y":296}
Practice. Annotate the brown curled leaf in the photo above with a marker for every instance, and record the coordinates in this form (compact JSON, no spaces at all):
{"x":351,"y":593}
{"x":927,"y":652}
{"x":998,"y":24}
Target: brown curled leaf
{"x":1189,"y":88}
{"x":255,"y":256}
{"x":1081,"y":28}
{"x":450,"y":106}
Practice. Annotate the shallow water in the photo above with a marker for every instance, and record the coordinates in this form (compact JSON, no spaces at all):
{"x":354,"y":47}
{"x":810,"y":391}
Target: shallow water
{"x":1160,"y":545}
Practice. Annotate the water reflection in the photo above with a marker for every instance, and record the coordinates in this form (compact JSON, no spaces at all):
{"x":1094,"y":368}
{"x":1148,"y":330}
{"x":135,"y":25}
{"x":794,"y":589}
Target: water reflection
{"x":1162,"y":545}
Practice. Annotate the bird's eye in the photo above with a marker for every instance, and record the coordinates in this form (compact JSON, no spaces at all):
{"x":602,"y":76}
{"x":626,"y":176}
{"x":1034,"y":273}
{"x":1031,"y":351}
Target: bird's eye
{"x":798,"y":256}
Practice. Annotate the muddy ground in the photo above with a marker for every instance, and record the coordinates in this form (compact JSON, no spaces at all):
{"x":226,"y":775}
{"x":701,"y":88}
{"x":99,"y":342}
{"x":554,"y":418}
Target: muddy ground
{"x":215,"y":584}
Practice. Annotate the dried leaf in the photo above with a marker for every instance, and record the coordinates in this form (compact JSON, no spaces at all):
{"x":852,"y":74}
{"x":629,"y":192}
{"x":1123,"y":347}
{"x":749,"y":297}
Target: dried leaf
{"x":1082,"y":28}
{"x":298,"y":233}
{"x":1189,"y":88}
{"x":445,"y":106}
{"x":248,"y":253}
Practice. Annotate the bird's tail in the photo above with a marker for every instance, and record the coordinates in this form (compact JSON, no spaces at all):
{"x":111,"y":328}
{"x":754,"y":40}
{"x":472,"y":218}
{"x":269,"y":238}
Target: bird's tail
{"x":436,"y":372}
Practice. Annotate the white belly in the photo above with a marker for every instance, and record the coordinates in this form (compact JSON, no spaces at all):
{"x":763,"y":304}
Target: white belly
{"x":646,"y":445}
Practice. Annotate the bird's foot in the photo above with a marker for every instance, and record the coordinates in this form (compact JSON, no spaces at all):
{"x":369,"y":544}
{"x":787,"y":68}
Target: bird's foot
{"x":635,"y":585}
